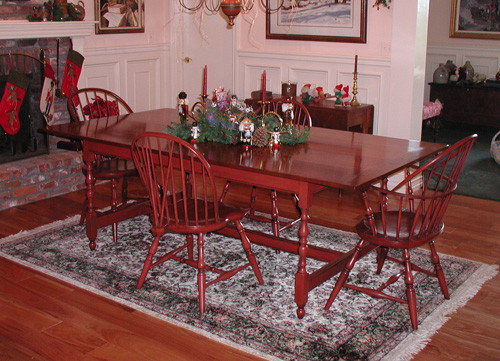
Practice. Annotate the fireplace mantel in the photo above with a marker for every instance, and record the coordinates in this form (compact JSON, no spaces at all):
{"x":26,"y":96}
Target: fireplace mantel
{"x":23,"y":29}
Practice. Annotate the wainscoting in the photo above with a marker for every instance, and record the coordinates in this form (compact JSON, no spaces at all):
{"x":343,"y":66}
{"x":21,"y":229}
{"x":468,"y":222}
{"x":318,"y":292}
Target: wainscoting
{"x":319,"y":71}
{"x":485,"y":60}
{"x":139,"y":74}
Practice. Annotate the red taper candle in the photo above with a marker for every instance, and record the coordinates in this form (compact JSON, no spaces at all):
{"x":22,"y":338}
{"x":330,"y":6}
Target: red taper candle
{"x":356,"y":63}
{"x":205,"y":80}
{"x":264,"y":86}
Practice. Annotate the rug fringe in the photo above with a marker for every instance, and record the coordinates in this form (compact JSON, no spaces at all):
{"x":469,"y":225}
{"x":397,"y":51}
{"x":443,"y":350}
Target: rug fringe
{"x":417,"y":340}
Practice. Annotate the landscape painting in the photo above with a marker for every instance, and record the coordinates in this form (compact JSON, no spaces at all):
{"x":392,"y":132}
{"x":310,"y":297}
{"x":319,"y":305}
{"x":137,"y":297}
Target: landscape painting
{"x":318,"y":20}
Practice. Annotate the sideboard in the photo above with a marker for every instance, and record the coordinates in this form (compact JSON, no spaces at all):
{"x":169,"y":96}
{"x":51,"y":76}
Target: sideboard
{"x":468,"y":103}
{"x":327,"y":114}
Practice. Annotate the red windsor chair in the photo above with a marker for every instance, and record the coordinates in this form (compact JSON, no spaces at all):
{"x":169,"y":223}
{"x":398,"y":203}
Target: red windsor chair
{"x":183,"y":198}
{"x":407,"y":218}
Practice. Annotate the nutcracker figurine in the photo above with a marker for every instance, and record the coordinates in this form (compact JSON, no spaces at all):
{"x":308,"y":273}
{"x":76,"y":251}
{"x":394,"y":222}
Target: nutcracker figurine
{"x":275,"y":138}
{"x":183,"y":106}
{"x":246,"y":129}
{"x":195,"y":132}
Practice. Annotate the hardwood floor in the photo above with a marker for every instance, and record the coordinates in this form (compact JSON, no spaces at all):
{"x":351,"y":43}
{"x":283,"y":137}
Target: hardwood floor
{"x":45,"y":319}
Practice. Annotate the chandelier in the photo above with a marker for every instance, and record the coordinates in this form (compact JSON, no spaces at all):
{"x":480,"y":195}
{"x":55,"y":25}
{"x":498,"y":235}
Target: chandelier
{"x":230,"y":8}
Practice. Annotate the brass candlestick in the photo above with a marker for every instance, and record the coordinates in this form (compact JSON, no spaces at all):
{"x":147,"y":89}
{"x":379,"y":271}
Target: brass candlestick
{"x":354,"y":100}
{"x":204,"y":100}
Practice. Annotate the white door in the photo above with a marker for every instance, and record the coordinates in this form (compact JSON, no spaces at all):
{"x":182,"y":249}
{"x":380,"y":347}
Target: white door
{"x":204,"y":41}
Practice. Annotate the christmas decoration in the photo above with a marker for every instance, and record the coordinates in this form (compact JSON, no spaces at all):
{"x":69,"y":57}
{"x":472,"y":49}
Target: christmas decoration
{"x":58,"y":11}
{"x":48,"y":93}
{"x":379,"y":3}
{"x":100,"y":108}
{"x":195,"y":132}
{"x":344,"y":96}
{"x":260,"y":137}
{"x":246,"y":129}
{"x":183,"y":106}
{"x":13,"y":96}
{"x":338,"y":94}
{"x":306,"y":93}
{"x":275,"y":137}
{"x":72,"y":72}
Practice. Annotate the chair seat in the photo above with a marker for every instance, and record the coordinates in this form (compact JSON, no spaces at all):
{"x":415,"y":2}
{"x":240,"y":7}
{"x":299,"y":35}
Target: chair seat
{"x":390,"y":238}
{"x":113,"y":168}
{"x":227,"y":214}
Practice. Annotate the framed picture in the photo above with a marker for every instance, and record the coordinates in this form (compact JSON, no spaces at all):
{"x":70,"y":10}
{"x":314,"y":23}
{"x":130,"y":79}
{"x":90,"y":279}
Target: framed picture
{"x":119,"y":16}
{"x":475,"y":19}
{"x":318,"y":20}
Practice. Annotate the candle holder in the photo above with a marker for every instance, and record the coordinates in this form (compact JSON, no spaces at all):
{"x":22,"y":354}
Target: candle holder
{"x":204,"y":100}
{"x":354,"y":100}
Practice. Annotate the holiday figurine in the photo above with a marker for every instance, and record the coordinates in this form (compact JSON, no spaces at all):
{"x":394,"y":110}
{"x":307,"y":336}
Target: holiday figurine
{"x":344,"y":96}
{"x":183,"y":106}
{"x":234,"y":101}
{"x":275,"y":138}
{"x":246,"y":129}
{"x":221,"y":99}
{"x":195,"y":132}
{"x":305,"y":93}
{"x":338,"y":94}
{"x":287,"y":109}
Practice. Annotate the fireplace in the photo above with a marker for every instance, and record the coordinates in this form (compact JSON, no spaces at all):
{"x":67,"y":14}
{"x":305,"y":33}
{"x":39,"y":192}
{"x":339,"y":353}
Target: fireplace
{"x":57,"y":172}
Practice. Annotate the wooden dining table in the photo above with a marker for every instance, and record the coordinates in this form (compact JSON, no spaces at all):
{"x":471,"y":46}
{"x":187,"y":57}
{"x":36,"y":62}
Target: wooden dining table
{"x":329,"y":158}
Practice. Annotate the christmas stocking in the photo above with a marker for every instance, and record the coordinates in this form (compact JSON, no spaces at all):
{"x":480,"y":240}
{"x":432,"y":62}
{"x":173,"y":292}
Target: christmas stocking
{"x":15,"y":89}
{"x":72,"y":73}
{"x":47,"y":96}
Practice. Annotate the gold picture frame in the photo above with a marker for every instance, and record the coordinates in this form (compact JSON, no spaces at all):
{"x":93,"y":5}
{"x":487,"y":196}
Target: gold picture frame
{"x":119,"y":16}
{"x":470,"y":20}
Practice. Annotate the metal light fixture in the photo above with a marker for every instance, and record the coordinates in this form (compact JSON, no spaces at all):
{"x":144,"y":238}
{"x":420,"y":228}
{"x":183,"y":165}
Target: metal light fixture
{"x":230,"y":8}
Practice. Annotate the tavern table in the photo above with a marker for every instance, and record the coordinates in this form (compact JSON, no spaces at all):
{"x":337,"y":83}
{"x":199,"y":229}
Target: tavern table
{"x":330,"y":158}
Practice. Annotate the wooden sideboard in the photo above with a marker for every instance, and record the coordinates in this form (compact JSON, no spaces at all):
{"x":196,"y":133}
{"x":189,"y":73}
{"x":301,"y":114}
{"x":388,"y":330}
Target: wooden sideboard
{"x":327,"y":114}
{"x":469,"y":104}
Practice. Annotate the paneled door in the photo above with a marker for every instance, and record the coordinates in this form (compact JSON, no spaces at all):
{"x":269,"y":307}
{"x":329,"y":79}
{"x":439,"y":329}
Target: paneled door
{"x":206,"y":41}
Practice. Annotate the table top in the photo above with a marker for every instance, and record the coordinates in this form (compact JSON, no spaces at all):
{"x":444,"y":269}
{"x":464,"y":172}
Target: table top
{"x":332,"y":158}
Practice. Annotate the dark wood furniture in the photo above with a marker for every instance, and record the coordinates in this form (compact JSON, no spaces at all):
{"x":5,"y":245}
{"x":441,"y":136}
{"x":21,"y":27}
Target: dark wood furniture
{"x":407,"y":217}
{"x":192,"y":207}
{"x":91,"y":103}
{"x":327,"y":114}
{"x":330,"y":158}
{"x":468,"y":103}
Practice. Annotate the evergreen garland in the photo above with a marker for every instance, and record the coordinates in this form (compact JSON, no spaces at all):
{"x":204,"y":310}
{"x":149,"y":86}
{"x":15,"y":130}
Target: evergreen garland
{"x":217,"y":126}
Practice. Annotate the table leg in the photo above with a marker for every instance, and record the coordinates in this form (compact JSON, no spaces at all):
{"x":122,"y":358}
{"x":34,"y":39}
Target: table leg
{"x":302,"y":284}
{"x":91,"y":217}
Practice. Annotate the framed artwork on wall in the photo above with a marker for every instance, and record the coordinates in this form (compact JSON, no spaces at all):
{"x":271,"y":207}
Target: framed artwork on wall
{"x":318,"y":20}
{"x":119,"y":16}
{"x":475,"y":19}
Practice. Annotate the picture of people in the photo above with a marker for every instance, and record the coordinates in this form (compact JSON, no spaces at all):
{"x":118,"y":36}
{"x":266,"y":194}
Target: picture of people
{"x":117,"y":16}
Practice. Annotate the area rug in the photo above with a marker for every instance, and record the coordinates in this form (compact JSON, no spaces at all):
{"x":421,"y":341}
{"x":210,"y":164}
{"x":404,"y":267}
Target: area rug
{"x":259,"y":319}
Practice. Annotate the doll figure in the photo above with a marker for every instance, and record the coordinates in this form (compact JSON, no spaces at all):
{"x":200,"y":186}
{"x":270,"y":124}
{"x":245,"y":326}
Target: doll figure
{"x":275,"y":138}
{"x":246,"y":129}
{"x":183,"y":106}
{"x":287,"y":109}
{"x":195,"y":132}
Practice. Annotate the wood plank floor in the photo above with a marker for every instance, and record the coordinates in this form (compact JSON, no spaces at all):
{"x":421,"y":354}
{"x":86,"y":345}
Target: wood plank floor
{"x":45,"y":319}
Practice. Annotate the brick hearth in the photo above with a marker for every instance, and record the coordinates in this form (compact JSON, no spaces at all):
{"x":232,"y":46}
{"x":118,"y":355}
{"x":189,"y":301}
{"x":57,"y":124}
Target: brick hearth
{"x":41,"y":177}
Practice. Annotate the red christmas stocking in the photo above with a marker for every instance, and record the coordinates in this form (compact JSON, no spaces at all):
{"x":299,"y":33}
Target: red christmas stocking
{"x":47,"y":96}
{"x":72,"y":72}
{"x":15,"y":89}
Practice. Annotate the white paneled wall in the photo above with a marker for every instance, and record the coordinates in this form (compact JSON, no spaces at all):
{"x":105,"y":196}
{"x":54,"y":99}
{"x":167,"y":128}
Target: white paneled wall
{"x":484,"y":60}
{"x":320,"y":71}
{"x":138,"y":74}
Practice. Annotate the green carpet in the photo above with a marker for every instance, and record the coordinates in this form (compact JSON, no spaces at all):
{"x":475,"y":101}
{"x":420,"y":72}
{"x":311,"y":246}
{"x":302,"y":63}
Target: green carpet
{"x":480,"y":177}
{"x":259,"y":319}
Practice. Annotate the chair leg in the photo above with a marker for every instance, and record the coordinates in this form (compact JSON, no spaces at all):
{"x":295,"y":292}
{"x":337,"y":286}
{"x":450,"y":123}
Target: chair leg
{"x":275,"y":218}
{"x":201,"y":272}
{"x":439,"y":271}
{"x":148,"y":262}
{"x":83,"y":215}
{"x":114,"y":205}
{"x":344,"y":274}
{"x":253,"y":200}
{"x":248,"y":250}
{"x":124,"y":190}
{"x":224,"y":192}
{"x":410,"y":290}
{"x":190,"y":249}
{"x":381,"y":256}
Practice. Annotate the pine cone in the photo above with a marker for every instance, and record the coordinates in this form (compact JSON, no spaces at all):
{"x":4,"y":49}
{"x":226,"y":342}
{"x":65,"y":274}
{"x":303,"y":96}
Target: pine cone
{"x":260,"y":137}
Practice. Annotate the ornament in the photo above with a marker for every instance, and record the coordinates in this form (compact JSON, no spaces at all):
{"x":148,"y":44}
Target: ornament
{"x":338,"y":94}
{"x":275,"y":138}
{"x":305,"y":93}
{"x":260,"y":137}
{"x":246,"y":129}
{"x":183,"y":106}
{"x":195,"y":132}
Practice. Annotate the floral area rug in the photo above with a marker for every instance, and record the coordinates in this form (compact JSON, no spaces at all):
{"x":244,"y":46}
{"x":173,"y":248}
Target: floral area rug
{"x":260,"y":319}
